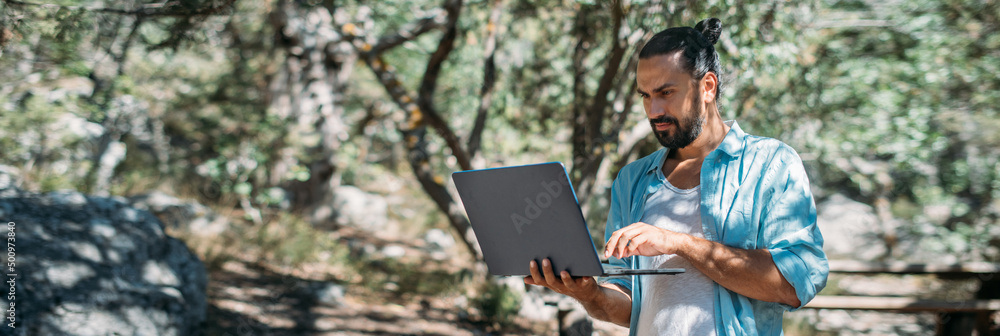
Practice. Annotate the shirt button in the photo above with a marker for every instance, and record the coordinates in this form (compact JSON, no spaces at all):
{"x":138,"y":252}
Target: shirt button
{"x":651,"y":188}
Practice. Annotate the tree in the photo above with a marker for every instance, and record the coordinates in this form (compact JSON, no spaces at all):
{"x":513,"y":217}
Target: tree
{"x":888,"y":103}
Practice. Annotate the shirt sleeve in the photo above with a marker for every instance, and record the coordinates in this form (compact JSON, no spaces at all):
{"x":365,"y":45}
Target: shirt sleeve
{"x":790,"y":230}
{"x":615,"y":222}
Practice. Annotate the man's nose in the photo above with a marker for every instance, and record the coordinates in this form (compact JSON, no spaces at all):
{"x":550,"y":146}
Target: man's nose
{"x":657,"y":108}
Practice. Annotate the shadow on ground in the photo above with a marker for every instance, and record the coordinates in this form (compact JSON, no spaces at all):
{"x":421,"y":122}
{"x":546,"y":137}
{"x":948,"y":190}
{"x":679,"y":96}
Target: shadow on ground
{"x":250,"y":299}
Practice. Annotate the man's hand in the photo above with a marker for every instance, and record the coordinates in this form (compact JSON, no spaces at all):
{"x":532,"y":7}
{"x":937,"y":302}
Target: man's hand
{"x":727,"y":266}
{"x":645,"y":240}
{"x":581,"y":288}
{"x":604,"y":302}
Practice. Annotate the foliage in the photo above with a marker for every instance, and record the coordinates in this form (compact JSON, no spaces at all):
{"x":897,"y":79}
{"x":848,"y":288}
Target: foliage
{"x":396,"y":278}
{"x":890,"y":103}
{"x":497,"y":303}
{"x":902,"y":112}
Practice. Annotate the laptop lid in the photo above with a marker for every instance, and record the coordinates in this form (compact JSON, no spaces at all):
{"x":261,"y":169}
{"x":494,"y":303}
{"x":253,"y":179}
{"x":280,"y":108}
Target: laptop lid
{"x":525,"y":213}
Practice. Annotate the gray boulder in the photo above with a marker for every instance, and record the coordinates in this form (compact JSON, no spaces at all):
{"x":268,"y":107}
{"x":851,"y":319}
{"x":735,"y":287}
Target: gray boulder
{"x":97,"y":266}
{"x":851,"y":229}
{"x":357,"y":208}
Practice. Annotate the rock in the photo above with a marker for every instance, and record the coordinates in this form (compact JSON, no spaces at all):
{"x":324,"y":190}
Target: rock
{"x":537,"y":303}
{"x":438,"y":244}
{"x":850,"y":229}
{"x":187,"y":216}
{"x":357,"y":208}
{"x":393,"y":251}
{"x":542,"y":304}
{"x":9,"y":177}
{"x":438,"y":240}
{"x":575,"y":322}
{"x":329,"y":293}
{"x":97,"y":266}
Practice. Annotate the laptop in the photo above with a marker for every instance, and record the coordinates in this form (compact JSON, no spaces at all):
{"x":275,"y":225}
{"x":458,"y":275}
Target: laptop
{"x":530,"y":212}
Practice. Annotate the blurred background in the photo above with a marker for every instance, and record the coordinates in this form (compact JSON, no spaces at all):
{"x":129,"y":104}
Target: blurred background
{"x":302,"y":151}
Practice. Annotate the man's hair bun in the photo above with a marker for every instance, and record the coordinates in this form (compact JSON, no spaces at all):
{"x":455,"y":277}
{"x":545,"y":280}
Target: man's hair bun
{"x":711,"y":28}
{"x":694,"y":44}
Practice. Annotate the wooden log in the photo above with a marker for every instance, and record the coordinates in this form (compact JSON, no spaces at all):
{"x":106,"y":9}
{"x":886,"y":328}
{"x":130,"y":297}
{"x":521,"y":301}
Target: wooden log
{"x":901,"y":304}
{"x":852,"y":266}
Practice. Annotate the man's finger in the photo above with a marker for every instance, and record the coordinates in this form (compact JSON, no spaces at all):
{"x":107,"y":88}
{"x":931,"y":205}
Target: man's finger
{"x":536,"y":277}
{"x":617,"y":244}
{"x":614,"y":241}
{"x":567,"y":280}
{"x":635,"y":243}
{"x":625,"y":242}
{"x":609,"y":246}
{"x":635,"y":235}
{"x":550,"y":277}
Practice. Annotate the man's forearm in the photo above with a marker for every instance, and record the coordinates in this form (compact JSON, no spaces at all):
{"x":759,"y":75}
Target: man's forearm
{"x":751,"y":273}
{"x":611,"y":303}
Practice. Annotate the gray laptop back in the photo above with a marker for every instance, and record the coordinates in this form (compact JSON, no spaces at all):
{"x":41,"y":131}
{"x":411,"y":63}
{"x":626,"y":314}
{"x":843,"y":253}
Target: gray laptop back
{"x":526,"y":213}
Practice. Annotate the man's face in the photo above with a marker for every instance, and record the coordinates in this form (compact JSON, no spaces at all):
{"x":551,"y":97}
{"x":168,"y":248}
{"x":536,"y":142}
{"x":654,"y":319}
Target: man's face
{"x":671,"y":99}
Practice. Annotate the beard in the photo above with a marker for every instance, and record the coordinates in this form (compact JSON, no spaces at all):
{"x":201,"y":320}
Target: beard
{"x":684,"y":132}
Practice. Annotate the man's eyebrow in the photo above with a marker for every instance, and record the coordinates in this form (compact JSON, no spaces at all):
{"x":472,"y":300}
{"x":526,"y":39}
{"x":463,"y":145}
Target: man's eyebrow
{"x":658,"y":89}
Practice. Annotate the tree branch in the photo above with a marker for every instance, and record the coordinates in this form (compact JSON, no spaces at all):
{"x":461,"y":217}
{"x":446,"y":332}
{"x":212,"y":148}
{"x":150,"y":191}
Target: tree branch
{"x":595,"y":117}
{"x":593,"y":140}
{"x":627,"y":98}
{"x":425,"y":95}
{"x":584,"y":37}
{"x":414,"y":131}
{"x":408,"y":33}
{"x":171,"y":8}
{"x":618,"y":119}
{"x":489,"y":78}
{"x":428,"y":84}
{"x":859,"y":23}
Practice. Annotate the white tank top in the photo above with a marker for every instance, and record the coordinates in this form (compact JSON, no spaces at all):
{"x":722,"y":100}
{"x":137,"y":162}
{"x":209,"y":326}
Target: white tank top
{"x":679,"y":304}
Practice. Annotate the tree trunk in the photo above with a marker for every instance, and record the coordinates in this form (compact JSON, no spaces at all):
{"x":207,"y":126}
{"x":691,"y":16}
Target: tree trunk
{"x":307,"y":90}
{"x":590,"y":141}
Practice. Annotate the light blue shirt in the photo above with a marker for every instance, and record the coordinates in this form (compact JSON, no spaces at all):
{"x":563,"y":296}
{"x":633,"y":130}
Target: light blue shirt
{"x":754,"y":195}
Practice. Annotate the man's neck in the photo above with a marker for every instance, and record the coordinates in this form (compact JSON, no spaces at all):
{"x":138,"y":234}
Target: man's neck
{"x":712,"y":134}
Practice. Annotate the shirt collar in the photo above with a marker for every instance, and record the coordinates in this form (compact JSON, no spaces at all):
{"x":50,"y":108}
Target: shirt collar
{"x":732,"y":145}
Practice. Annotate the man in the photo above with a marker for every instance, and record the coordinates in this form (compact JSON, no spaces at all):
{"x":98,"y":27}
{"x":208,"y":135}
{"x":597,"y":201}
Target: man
{"x":732,"y":208}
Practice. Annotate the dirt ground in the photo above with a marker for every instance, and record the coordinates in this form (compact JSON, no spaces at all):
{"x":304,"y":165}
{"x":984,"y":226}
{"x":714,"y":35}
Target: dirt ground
{"x":249,"y":297}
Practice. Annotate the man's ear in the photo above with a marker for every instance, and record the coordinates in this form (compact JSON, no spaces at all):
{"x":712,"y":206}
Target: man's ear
{"x":709,"y":85}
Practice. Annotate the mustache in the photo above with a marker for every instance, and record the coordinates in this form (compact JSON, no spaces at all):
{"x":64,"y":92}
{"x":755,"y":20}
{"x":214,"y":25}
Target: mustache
{"x":664,"y":119}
